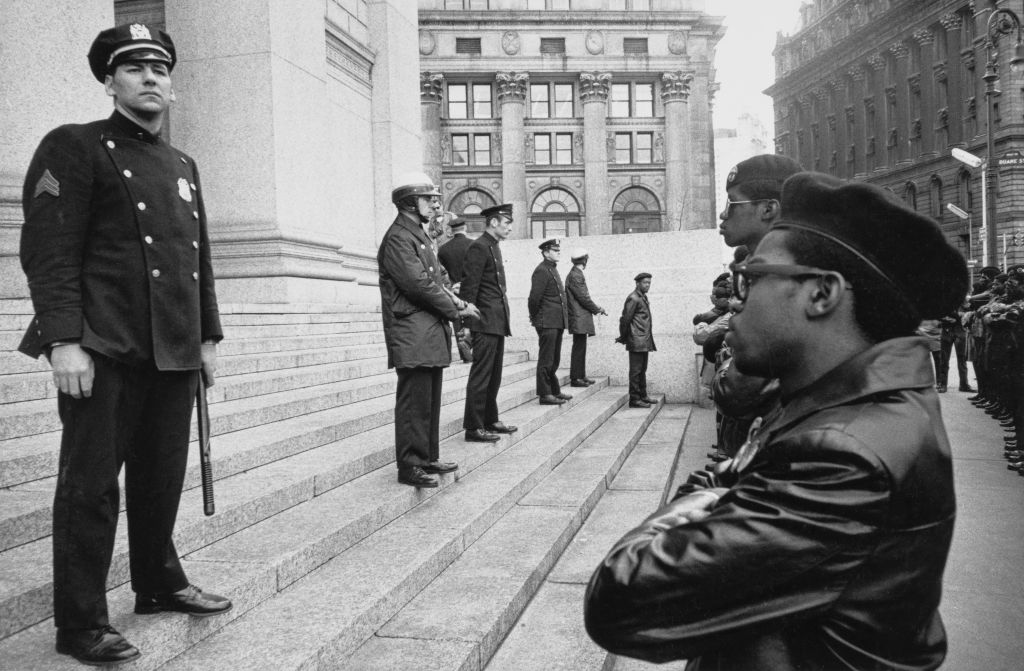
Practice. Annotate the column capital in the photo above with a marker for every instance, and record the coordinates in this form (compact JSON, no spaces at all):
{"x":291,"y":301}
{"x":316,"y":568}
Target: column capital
{"x":924,"y":36}
{"x":951,"y":21}
{"x":876,"y":62}
{"x":512,"y":86}
{"x":431,"y":86}
{"x":899,"y":50}
{"x":675,"y":85}
{"x":594,"y":86}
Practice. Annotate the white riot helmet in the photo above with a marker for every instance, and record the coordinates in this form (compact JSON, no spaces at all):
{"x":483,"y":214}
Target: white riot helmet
{"x":579,"y":254}
{"x":412,"y":184}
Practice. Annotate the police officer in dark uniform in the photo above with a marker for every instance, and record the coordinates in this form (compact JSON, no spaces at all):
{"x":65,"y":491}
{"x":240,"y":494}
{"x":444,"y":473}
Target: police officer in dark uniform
{"x":483,"y":283}
{"x":117,"y":256}
{"x":453,"y":253}
{"x":549,"y":315}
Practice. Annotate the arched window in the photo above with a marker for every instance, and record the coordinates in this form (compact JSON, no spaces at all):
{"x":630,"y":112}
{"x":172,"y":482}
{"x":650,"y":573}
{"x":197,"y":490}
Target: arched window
{"x":910,"y":195}
{"x":555,"y":214}
{"x":964,"y":196}
{"x":468,"y":205}
{"x":636,"y":210}
{"x":935,"y":204}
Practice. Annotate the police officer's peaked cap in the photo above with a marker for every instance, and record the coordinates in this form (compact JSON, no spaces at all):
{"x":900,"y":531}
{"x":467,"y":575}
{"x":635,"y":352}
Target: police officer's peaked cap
{"x":641,"y":277}
{"x":897,"y":244}
{"x":503,"y":210}
{"x":413,"y":184}
{"x":764,"y":168}
{"x":456,"y":222}
{"x":579,"y":253}
{"x":551,"y":244}
{"x":130,"y":42}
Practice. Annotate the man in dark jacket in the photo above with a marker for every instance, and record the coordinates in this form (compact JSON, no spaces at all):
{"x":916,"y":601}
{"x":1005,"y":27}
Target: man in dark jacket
{"x":117,"y":256}
{"x":416,"y":309}
{"x":636,"y":332}
{"x":483,"y":283}
{"x":549,"y":316}
{"x":822,"y":544}
{"x":453,"y":253}
{"x":582,"y":309}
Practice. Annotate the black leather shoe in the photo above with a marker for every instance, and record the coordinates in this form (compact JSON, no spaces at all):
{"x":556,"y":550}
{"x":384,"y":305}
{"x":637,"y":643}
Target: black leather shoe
{"x":96,"y":647}
{"x":975,"y":399}
{"x":440,"y":467}
{"x":589,"y":381}
{"x":966,"y":387}
{"x":1015,"y":466}
{"x":501,"y":427}
{"x":417,"y":477}
{"x":941,"y":388}
{"x":648,"y":399}
{"x":481,"y":436}
{"x":578,"y":383}
{"x":191,"y":600}
{"x":548,"y":399}
{"x":639,"y":404}
{"x":564,"y":397}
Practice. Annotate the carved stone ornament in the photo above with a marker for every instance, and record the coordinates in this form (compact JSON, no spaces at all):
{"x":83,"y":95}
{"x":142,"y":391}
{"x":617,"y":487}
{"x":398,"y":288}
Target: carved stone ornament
{"x":869,"y":105}
{"x":942,"y":118}
{"x":594,"y":42}
{"x":924,"y":36}
{"x":512,"y":85}
{"x":971,"y":108}
{"x":915,"y":129}
{"x":967,"y":58}
{"x":431,"y":86}
{"x":890,"y":93}
{"x":951,"y":21}
{"x":831,"y":118}
{"x":940,"y":71}
{"x":870,"y":149}
{"x":577,"y":147}
{"x":849,"y":114}
{"x":427,"y":42}
{"x":677,"y":42}
{"x":446,"y":149}
{"x":914,"y":83}
{"x":876,"y":62}
{"x":851,"y":153}
{"x":893,"y":138}
{"x":899,"y":50}
{"x":496,"y":148}
{"x":595,"y":86}
{"x":675,"y":85}
{"x":610,"y":144}
{"x":510,"y":42}
{"x":659,"y":147}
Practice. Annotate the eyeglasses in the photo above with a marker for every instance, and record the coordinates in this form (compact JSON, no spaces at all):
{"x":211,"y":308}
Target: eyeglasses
{"x":745,"y":275}
{"x":729,"y":202}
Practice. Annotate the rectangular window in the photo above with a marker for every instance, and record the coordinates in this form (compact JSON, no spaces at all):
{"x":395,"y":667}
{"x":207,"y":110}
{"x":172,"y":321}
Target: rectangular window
{"x":460,"y":150}
{"x":620,"y":100}
{"x":467,"y":45}
{"x":478,"y":4}
{"x":644,"y":148}
{"x":539,"y":101}
{"x":535,"y":4}
{"x":623,"y":148}
{"x":552,"y":45}
{"x":542,"y":149}
{"x":644,"y":106}
{"x":563,"y":148}
{"x":481,"y":101}
{"x":481,"y":150}
{"x":563,"y":101}
{"x":457,"y":104}
{"x":634,"y":45}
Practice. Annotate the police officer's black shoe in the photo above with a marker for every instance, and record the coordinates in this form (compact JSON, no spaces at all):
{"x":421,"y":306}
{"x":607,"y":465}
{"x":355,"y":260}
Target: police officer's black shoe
{"x":501,"y":427}
{"x":648,"y":399}
{"x":96,"y":647}
{"x":440,"y":467}
{"x":191,"y":600}
{"x":639,"y":403}
{"x":481,"y":436}
{"x":548,"y":399}
{"x":589,"y":381}
{"x":578,"y":383}
{"x":941,"y":388}
{"x":416,"y":477}
{"x":564,"y":397}
{"x":966,"y":387}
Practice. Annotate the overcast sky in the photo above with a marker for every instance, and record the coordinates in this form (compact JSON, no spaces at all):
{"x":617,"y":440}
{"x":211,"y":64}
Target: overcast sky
{"x":744,"y":58}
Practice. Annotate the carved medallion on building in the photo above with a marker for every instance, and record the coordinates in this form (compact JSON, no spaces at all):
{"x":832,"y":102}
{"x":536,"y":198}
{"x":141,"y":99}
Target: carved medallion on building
{"x":595,"y":42}
{"x":677,"y":42}
{"x":427,"y":42}
{"x":510,"y":42}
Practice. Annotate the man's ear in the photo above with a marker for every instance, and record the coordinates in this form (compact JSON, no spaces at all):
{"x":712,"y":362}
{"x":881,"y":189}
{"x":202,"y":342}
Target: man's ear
{"x":770,"y":209}
{"x":174,"y":98}
{"x":825,"y":295}
{"x":108,"y":85}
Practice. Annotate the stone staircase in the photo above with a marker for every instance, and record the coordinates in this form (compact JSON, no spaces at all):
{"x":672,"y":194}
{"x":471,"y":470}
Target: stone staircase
{"x":332,"y":564}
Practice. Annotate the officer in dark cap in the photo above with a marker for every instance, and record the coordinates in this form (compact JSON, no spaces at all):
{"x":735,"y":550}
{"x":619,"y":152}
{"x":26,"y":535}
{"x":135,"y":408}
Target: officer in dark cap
{"x":483,"y":282}
{"x":549,"y":315}
{"x":636,"y":332}
{"x":453,"y":253}
{"x":822,"y":544}
{"x":117,"y":256}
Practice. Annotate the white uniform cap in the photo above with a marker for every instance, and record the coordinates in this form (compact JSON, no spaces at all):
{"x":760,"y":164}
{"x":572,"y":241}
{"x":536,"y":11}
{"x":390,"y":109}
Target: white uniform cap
{"x":578,"y":253}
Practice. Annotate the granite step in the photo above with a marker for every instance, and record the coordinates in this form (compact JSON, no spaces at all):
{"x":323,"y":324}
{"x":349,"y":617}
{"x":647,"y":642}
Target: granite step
{"x":245,"y":331}
{"x":297,"y":341}
{"x":283,"y":467}
{"x":259,"y":561}
{"x":265,"y":318}
{"x":464,"y":614}
{"x":297,"y":308}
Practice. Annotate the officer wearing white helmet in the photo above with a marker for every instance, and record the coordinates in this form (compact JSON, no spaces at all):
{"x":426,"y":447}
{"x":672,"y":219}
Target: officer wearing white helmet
{"x":582,"y":309}
{"x":417,"y":310}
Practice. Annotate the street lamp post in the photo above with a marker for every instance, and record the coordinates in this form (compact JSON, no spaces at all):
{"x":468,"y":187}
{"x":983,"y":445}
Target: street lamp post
{"x":973,"y":161}
{"x":1000,"y":22}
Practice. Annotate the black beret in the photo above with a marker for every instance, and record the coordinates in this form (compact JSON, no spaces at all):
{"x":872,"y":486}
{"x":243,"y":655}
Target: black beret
{"x":641,"y":276}
{"x":898,"y":244}
{"x":550,"y":244}
{"x":1016,"y":272}
{"x":126,"y":42}
{"x":1001,"y":277}
{"x":990,"y":271}
{"x":504,"y":210}
{"x":724,"y":278}
{"x":762,"y":168}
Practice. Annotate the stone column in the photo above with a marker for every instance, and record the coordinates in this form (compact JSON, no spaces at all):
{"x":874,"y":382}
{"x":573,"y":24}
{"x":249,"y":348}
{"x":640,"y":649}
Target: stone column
{"x":701,"y":161}
{"x":860,"y":129}
{"x":431,"y":84}
{"x":926,"y":38}
{"x":878,"y":104}
{"x":952,"y":22}
{"x":675,"y":93}
{"x":901,"y":123}
{"x":46,"y":82}
{"x":594,"y":88}
{"x":512,"y":88}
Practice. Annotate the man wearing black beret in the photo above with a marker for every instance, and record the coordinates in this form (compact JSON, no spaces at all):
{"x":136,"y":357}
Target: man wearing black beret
{"x":636,"y":332}
{"x":549,"y":315}
{"x":117,"y":255}
{"x":822,"y":544}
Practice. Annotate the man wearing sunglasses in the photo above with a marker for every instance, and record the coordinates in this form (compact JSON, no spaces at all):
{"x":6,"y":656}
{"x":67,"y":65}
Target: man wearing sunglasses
{"x":753,"y":189}
{"x":822,"y":544}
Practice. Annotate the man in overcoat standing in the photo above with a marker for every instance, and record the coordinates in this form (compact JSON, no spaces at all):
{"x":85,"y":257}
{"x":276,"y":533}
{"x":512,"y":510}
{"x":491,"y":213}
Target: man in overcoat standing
{"x":117,"y":256}
{"x":636,"y":333}
{"x":452,"y":256}
{"x":416,"y":310}
{"x":582,"y":309}
{"x":549,"y":315}
{"x":483,"y":283}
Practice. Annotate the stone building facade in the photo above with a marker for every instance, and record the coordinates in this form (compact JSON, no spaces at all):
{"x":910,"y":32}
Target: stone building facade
{"x":590,"y":116}
{"x":883,"y":90}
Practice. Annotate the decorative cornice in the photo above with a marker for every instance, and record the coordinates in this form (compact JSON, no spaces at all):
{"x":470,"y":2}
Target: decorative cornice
{"x":431,"y":87}
{"x":512,"y":86}
{"x":675,"y":85}
{"x":594,"y":86}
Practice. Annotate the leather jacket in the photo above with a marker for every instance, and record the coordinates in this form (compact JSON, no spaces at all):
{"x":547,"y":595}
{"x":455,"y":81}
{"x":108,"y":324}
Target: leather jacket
{"x":636,"y":328}
{"x":825,"y":552}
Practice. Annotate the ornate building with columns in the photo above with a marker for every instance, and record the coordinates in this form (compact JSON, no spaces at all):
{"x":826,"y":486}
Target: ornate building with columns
{"x":590,"y":116}
{"x":883,"y":90}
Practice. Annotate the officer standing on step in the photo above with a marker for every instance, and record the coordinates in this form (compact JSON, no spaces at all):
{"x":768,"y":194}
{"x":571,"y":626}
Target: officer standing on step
{"x":117,"y":257}
{"x":416,"y":310}
{"x":549,"y":315}
{"x":582,"y":309}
